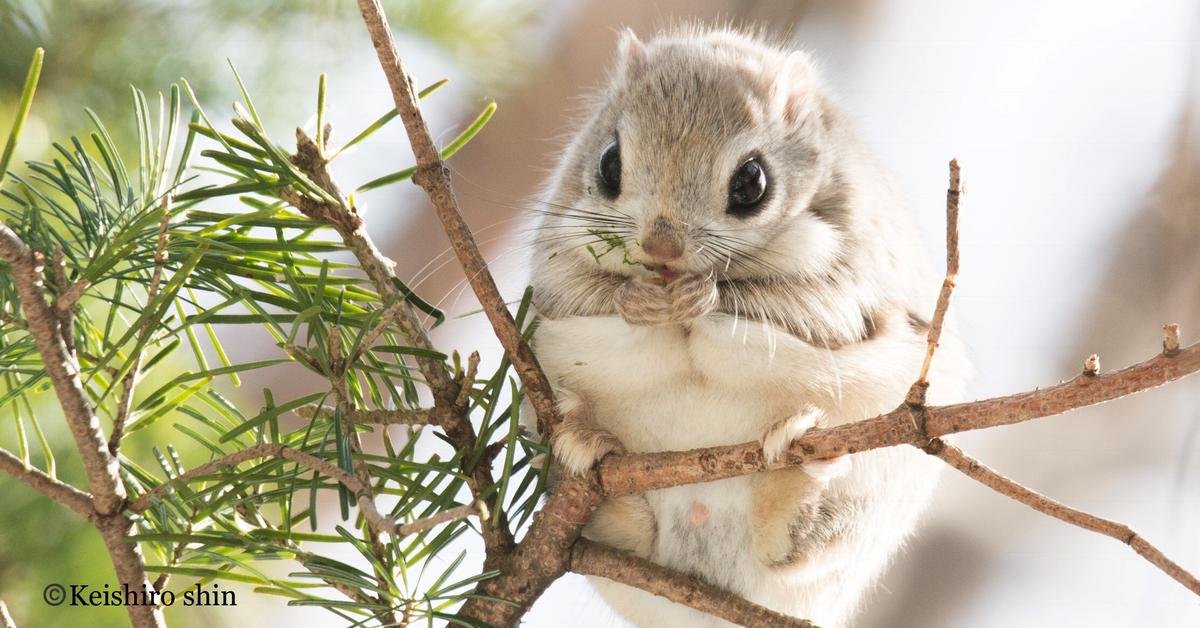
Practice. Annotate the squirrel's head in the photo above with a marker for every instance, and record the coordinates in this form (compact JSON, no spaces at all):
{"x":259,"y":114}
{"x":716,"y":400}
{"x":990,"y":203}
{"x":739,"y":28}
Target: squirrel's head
{"x":703,"y":154}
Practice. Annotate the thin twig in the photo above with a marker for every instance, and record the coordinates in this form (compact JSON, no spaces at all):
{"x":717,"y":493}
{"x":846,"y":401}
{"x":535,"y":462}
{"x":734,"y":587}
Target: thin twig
{"x":916,"y":394}
{"x":12,"y":322}
{"x":992,"y":479}
{"x":70,"y":298}
{"x":63,"y":306}
{"x":388,"y":318}
{"x":375,"y":526}
{"x":461,"y":512}
{"x":95,"y":360}
{"x":434,"y":177}
{"x":63,"y":493}
{"x":394,"y":417}
{"x":594,"y":559}
{"x":300,"y":355}
{"x":467,"y":381}
{"x":358,"y":416}
{"x":1170,"y":339}
{"x":635,"y":473}
{"x":977,"y":471}
{"x":125,"y":404}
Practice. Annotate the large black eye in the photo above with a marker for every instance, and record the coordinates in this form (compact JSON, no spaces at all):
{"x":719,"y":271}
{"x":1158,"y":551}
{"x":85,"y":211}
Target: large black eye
{"x":610,"y":169}
{"x":747,"y":188}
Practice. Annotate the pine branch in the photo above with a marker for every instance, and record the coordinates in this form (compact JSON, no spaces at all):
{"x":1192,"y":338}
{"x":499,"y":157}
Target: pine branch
{"x":393,"y":312}
{"x":594,"y":559}
{"x":395,"y":417}
{"x":101,"y":467}
{"x":378,"y":267}
{"x":307,"y":558}
{"x":541,"y":557}
{"x":337,"y":379}
{"x":125,"y":403}
{"x":26,"y":266}
{"x":447,"y":392}
{"x":478,"y":509}
{"x":361,"y":491}
{"x":63,"y":493}
{"x":433,"y":176}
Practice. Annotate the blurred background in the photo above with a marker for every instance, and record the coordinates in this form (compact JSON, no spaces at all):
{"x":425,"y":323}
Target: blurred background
{"x":1078,"y":127}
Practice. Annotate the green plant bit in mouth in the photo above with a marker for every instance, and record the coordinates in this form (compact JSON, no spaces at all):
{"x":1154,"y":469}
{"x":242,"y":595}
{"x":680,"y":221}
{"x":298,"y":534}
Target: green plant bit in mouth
{"x":612,"y":242}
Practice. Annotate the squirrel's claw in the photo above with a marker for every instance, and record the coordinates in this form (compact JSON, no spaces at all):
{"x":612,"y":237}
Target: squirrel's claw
{"x":780,"y":435}
{"x":578,"y":443}
{"x":692,"y":296}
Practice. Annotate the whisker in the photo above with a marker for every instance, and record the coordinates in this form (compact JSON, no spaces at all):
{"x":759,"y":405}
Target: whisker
{"x":837,"y":374}
{"x":417,"y":280}
{"x":745,"y":258}
{"x":462,"y":285}
{"x":582,"y":215}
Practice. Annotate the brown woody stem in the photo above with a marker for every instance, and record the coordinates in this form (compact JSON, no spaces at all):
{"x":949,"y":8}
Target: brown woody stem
{"x":593,"y":559}
{"x":635,"y":473}
{"x":65,"y":494}
{"x":975,"y":470}
{"x":434,"y":177}
{"x":102,"y":469}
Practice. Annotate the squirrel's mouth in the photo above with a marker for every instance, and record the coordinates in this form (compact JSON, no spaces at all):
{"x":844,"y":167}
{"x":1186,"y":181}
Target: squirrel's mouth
{"x":667,"y":273}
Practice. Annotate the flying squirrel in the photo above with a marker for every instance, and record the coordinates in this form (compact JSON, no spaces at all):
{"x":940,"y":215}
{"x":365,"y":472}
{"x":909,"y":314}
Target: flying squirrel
{"x":720,"y":260}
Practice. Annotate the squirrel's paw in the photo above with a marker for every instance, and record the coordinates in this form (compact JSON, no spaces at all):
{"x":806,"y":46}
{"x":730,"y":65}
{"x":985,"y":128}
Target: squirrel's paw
{"x":578,"y":443}
{"x":692,"y":296}
{"x":779,"y":436}
{"x":643,"y":302}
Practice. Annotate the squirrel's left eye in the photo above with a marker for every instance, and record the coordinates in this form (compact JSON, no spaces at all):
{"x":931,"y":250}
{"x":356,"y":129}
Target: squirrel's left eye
{"x":747,"y":188}
{"x":609,"y":169}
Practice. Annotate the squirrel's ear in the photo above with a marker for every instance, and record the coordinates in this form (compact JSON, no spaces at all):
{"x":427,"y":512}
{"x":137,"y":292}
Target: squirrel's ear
{"x":631,"y":55}
{"x":793,"y":94}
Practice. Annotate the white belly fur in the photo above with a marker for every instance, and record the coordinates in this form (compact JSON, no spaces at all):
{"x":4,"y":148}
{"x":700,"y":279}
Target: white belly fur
{"x":721,"y":383}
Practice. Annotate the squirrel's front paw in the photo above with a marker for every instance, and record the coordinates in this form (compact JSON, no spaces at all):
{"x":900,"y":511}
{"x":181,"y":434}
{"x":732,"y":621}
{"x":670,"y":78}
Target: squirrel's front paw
{"x":779,"y":436}
{"x":644,"y":302}
{"x":692,"y":296}
{"x":578,"y":443}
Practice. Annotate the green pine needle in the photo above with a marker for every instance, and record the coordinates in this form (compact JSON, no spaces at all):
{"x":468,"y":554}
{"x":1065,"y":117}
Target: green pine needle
{"x":31,"y":82}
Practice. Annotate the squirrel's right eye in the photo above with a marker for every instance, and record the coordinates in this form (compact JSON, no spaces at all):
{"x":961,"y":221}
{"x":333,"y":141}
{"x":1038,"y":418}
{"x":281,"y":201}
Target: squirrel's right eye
{"x":609,"y":169}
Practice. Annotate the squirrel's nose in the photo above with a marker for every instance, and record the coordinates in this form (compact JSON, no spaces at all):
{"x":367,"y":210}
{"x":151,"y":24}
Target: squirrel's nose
{"x":664,"y":242}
